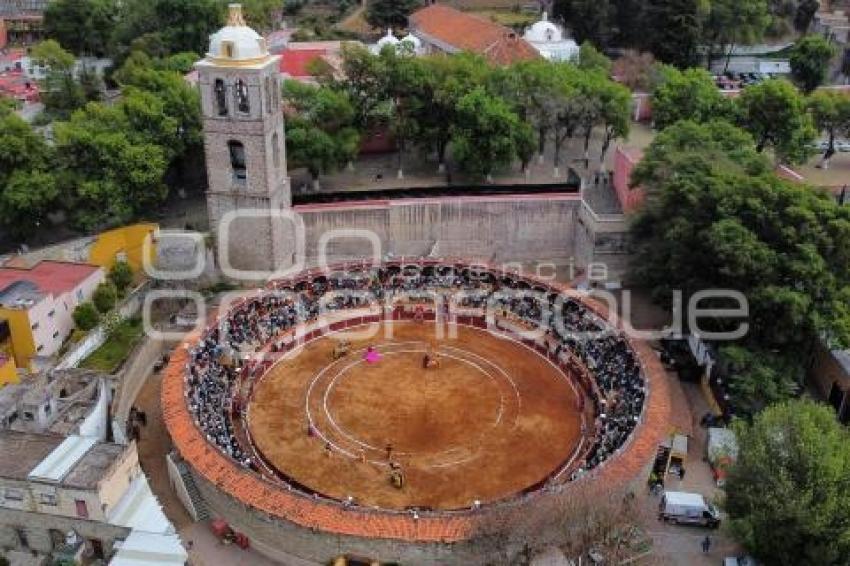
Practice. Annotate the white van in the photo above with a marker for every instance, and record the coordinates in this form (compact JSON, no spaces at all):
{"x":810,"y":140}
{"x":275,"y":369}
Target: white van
{"x":679,"y":507}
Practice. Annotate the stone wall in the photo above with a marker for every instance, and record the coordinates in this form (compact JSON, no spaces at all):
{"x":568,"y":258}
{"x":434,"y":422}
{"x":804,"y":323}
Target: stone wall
{"x":36,"y":527}
{"x":495,"y":229}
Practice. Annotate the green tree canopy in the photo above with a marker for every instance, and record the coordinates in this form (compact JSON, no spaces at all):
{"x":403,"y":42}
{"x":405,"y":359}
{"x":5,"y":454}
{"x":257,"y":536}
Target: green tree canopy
{"x":383,"y":14}
{"x":810,"y":59}
{"x":86,"y":316}
{"x":787,"y":493}
{"x":121,"y":275}
{"x":687,"y":95}
{"x":320,"y":130}
{"x":831,"y":113}
{"x":83,"y":26}
{"x":591,"y":59}
{"x":733,"y":22}
{"x":673,"y":31}
{"x":105,"y":297}
{"x":488,"y":134}
{"x":61,"y":91}
{"x":775,"y":114}
{"x":716,"y":217}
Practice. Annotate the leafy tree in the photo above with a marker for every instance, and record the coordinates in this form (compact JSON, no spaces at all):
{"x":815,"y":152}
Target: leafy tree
{"x":20,"y":147}
{"x":262,"y":14}
{"x":82,"y":26}
{"x":86,"y":316}
{"x":364,"y":84}
{"x":61,"y":93}
{"x":786,"y":494}
{"x":590,"y":59}
{"x":26,"y":199}
{"x":775,"y":114}
{"x":487,"y":134}
{"x":687,"y":95}
{"x":589,"y":20}
{"x":105,"y":297}
{"x":637,"y":71}
{"x":759,"y":378}
{"x":628,"y":22}
{"x":716,"y":217}
{"x":810,"y":58}
{"x":804,"y":15}
{"x":831,"y":113}
{"x":383,"y":14}
{"x":174,"y":25}
{"x":733,"y":22}
{"x":673,"y":31}
{"x":111,"y":164}
{"x":320,"y":132}
{"x":121,"y":275}
{"x":615,"y":116}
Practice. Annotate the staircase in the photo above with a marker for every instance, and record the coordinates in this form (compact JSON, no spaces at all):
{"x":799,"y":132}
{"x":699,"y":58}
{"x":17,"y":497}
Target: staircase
{"x":202,"y":513}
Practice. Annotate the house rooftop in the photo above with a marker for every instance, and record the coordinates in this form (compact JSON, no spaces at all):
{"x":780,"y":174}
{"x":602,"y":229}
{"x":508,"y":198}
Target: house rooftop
{"x":22,"y":451}
{"x":466,"y":32}
{"x":48,"y":276}
{"x":89,"y":470}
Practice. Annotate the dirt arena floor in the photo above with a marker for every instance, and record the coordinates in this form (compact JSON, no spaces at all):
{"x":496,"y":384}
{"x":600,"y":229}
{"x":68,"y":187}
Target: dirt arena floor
{"x":493,"y":419}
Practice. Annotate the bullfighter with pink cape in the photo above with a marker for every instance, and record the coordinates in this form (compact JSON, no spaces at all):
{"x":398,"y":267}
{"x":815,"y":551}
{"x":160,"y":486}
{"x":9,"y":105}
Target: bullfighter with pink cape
{"x":372,"y":356}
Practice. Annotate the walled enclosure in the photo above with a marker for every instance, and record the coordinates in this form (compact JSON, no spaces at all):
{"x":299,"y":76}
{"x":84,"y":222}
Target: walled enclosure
{"x":282,"y":523}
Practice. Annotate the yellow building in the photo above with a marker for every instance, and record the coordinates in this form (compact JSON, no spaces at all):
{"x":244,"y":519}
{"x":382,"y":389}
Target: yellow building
{"x":125,"y":244}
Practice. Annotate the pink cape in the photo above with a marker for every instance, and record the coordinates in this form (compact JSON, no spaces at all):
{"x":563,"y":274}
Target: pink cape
{"x":372,"y":357}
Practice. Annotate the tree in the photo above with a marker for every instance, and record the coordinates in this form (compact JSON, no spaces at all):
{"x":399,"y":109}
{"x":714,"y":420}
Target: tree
{"x":262,"y":14}
{"x":26,"y":199}
{"x":673,"y":32}
{"x":487,"y":133}
{"x":589,"y":20}
{"x":121,"y":275}
{"x":786,"y":493}
{"x":775,"y":114}
{"x":717,"y":217}
{"x":111,"y":166}
{"x":810,"y":59}
{"x":831,"y":113}
{"x":175,"y":25}
{"x":615,"y":116}
{"x":733,"y":22}
{"x":82,"y":26}
{"x":86,"y":316}
{"x":61,"y":93}
{"x":804,"y":15}
{"x":320,"y":132}
{"x":758,"y":378}
{"x":591,"y":59}
{"x":687,"y":95}
{"x":105,"y":297}
{"x":383,"y":14}
{"x":637,"y":71}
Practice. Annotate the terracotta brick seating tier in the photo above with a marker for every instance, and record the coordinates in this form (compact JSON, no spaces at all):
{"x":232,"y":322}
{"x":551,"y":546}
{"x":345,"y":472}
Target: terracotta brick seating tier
{"x":274,"y":499}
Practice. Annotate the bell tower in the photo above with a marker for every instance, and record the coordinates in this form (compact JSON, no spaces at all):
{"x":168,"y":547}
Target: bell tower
{"x":245,"y":147}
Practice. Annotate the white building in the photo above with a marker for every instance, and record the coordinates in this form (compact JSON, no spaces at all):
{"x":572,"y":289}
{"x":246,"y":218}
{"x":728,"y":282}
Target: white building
{"x":550,"y":40}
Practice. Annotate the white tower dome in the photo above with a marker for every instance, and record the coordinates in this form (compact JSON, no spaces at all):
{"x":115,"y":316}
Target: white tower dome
{"x":414,"y":41}
{"x":544,"y":31}
{"x":236,"y":42}
{"x":388,"y":39}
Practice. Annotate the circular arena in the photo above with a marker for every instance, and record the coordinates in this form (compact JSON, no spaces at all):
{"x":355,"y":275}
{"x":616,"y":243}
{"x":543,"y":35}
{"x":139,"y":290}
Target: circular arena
{"x":387,"y":411}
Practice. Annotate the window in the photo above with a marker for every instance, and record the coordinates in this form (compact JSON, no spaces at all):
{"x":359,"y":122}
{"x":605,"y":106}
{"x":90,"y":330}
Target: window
{"x":13,"y":494}
{"x":276,"y":151}
{"x":51,"y":313}
{"x":79,"y":294}
{"x":227,"y":49}
{"x":220,"y":97}
{"x":47,"y":499}
{"x":269,"y":107}
{"x":34,"y":326}
{"x":28,"y":416}
{"x":237,"y":161}
{"x":242,"y":103}
{"x":56,"y":334}
{"x":40,"y":348}
{"x":82,"y":508}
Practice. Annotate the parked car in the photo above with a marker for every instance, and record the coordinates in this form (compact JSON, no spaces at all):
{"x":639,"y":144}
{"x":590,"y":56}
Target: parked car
{"x":739,"y":561}
{"x":842,"y":145}
{"x":683,"y":508}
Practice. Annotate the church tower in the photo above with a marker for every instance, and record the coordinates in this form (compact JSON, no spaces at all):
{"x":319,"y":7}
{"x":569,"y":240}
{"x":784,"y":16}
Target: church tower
{"x":245,"y":147}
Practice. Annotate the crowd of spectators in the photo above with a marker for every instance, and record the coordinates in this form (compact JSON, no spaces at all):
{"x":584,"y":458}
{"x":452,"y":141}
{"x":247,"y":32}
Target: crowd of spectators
{"x":215,"y":366}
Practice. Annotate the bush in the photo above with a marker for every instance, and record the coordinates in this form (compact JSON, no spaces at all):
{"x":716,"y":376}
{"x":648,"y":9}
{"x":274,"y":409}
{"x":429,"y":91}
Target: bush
{"x":105,"y":297}
{"x":86,"y":316}
{"x":121,"y":275}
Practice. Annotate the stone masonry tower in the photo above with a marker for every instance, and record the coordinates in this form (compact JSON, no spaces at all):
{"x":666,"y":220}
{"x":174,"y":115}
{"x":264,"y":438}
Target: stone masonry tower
{"x":244,"y":144}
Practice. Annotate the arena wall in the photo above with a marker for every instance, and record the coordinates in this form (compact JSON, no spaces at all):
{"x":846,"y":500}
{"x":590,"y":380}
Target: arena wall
{"x":495,"y":229}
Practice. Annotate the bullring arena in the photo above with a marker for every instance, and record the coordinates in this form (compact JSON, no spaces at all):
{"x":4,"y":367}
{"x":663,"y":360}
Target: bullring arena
{"x":390,"y":412}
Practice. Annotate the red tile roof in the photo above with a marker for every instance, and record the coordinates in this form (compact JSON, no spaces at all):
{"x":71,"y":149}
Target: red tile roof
{"x":466,"y":32}
{"x":296,"y":62}
{"x":50,"y":276}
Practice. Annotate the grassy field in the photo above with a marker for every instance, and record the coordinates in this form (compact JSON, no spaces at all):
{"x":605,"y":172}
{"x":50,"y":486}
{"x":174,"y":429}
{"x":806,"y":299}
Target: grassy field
{"x":114,"y":351}
{"x":508,"y":18}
